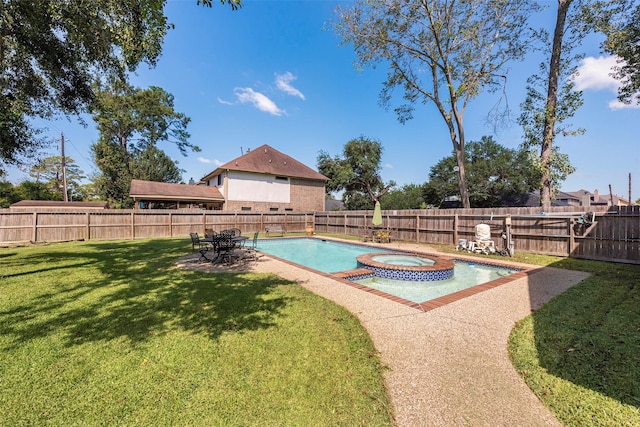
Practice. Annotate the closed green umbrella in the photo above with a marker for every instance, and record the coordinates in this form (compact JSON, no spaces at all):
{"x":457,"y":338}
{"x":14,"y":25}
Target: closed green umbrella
{"x":377,"y":215}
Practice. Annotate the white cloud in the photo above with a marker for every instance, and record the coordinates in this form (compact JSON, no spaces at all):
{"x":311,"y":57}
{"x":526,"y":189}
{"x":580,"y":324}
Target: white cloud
{"x":388,"y":166}
{"x":209,"y":161}
{"x":595,"y":73}
{"x":246,"y":95}
{"x":283,"y":83}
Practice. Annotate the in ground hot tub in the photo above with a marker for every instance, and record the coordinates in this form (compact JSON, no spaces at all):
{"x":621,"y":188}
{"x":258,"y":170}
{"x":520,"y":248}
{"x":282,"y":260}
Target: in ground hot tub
{"x":411,"y":267}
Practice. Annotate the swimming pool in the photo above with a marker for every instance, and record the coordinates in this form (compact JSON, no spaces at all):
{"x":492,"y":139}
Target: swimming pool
{"x":331,"y":257}
{"x":322,"y":255}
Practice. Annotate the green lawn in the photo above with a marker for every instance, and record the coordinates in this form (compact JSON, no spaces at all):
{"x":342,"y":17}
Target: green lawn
{"x":580,"y":353}
{"x":111,"y":333}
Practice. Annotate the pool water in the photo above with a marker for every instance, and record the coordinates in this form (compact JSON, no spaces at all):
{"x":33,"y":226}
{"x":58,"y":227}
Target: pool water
{"x":403,"y":260}
{"x":321,"y":255}
{"x":329,"y":257}
{"x":465,"y":275}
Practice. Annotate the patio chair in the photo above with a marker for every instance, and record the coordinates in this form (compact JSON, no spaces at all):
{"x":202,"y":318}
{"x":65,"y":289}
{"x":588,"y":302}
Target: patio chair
{"x":366,"y":233}
{"x":249,"y":252}
{"x":201,"y":246}
{"x":209,"y":233}
{"x":482,"y":243}
{"x":224,"y":245}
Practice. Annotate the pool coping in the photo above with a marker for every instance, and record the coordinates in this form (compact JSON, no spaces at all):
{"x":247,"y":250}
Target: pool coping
{"x":342,"y":276}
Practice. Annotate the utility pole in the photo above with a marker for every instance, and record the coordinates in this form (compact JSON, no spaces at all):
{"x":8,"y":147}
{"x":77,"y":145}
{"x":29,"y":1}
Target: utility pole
{"x":64,"y":170}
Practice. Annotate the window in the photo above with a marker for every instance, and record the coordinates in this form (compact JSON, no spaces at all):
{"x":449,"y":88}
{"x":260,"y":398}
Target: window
{"x":220,"y":179}
{"x":245,"y":208}
{"x":288,"y":209}
{"x":273,"y":209}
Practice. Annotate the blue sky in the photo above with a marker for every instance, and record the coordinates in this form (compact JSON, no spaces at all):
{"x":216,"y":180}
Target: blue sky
{"x":272,"y":73}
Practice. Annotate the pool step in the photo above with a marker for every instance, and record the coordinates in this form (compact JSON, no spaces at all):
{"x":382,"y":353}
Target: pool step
{"x":351,"y":274}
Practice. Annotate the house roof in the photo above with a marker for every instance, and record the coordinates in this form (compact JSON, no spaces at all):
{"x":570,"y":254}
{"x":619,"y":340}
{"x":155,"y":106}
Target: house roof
{"x":58,"y":204}
{"x":595,"y":198}
{"x":164,"y":191}
{"x":268,"y":160}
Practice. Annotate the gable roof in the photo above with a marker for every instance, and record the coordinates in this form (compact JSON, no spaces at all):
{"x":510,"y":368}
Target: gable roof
{"x":165,"y":191}
{"x":267,"y":160}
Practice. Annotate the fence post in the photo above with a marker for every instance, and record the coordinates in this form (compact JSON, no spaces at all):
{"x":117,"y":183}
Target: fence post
{"x":170,"y":224}
{"x":88,"y":226}
{"x":35,"y":227}
{"x":571,"y":236}
{"x":345,"y":224}
{"x":455,"y":229}
{"x":418,"y":228}
{"x":133,"y":226}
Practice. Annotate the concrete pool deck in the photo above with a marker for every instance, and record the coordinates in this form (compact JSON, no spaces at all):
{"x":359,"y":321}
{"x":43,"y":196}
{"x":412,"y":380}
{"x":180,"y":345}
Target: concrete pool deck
{"x":448,"y":365}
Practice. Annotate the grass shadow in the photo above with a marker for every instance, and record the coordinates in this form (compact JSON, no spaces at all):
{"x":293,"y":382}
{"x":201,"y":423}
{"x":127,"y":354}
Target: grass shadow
{"x":589,"y":335}
{"x":111,"y":290}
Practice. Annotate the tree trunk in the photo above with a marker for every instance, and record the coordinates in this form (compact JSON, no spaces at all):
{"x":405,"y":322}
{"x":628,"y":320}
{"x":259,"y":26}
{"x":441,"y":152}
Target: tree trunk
{"x":462,"y":179}
{"x":552,"y":101}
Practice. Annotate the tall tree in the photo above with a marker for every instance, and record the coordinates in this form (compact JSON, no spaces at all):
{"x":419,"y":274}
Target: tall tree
{"x":135,"y":118}
{"x":543,"y":115}
{"x":52,"y":51}
{"x":494,"y":172}
{"x":132,"y":121}
{"x":409,"y":196}
{"x":113,"y":181}
{"x":441,"y":51}
{"x":49,"y":172}
{"x":357,"y":173}
{"x":152,"y":164}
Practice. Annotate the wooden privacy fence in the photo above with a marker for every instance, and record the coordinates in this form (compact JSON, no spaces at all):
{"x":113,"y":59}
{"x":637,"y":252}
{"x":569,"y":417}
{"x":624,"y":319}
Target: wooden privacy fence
{"x":613,"y":236}
{"x":55,"y":226}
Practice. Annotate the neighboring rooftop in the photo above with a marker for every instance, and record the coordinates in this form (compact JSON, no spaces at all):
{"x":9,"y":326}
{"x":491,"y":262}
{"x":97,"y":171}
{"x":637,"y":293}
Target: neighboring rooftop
{"x":268,"y":160}
{"x":58,"y":204}
{"x":165,"y":191}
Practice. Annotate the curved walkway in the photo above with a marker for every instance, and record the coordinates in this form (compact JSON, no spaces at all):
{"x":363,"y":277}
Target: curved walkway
{"x":448,"y":366}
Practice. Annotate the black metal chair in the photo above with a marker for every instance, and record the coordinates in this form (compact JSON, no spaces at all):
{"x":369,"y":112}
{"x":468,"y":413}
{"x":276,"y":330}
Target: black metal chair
{"x":223,"y":245}
{"x":201,"y":246}
{"x":249,"y":252}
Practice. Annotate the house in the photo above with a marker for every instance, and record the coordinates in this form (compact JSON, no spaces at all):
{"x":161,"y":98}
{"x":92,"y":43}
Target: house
{"x":154,"y":195}
{"x":266,"y":180}
{"x":585,"y":198}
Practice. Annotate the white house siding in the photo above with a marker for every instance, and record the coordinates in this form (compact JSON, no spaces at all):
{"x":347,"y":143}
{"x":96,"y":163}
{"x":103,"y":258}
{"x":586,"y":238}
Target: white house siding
{"x":257,"y":188}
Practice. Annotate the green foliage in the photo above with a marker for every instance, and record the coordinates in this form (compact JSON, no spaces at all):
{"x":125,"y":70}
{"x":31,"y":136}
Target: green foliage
{"x":152,"y":164}
{"x":235,"y":4}
{"x":49,"y":171}
{"x":441,"y":51}
{"x":408,"y":197}
{"x":8,"y":194}
{"x":29,"y":190}
{"x":620,"y":21}
{"x":114,"y":180}
{"x":51,"y":51}
{"x":137,"y":118}
{"x":132,"y":121}
{"x":357,"y":173}
{"x":493,"y":173}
